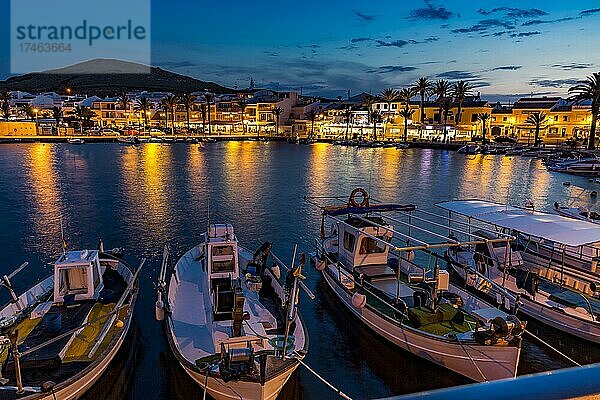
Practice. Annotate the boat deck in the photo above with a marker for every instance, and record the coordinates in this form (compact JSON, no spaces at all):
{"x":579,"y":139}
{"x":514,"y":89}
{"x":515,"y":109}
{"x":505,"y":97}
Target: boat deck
{"x":69,"y":355}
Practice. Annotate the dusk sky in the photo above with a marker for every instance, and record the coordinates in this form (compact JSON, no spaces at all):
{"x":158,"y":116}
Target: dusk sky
{"x":328,"y":47}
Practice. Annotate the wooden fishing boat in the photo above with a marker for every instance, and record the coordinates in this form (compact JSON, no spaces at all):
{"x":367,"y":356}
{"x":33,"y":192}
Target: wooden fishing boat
{"x":552,"y":266}
{"x":59,"y":336}
{"x":231,"y":320}
{"x":414,"y":307}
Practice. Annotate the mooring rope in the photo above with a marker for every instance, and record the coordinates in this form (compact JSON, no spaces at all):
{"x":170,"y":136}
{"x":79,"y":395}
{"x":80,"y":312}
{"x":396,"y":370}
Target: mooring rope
{"x":551,"y":347}
{"x":315,"y":373}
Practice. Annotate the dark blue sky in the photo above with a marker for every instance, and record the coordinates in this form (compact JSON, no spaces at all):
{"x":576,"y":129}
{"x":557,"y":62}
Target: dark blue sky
{"x":327,"y":47}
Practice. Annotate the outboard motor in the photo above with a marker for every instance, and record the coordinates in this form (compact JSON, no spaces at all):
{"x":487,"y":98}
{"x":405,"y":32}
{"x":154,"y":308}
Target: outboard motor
{"x":499,"y":329}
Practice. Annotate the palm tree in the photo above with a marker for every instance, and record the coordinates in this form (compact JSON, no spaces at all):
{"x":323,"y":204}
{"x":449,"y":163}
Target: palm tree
{"x":347,"y":118}
{"x":311,"y":115}
{"x":406,"y":113}
{"x":389,"y":96}
{"x":143,"y":106}
{"x":123,"y":101}
{"x":441,"y":90}
{"x":79,"y":113}
{"x":589,"y":90}
{"x":277,"y":112}
{"x":375,"y":117}
{"x":5,"y":98}
{"x":87,"y":114}
{"x":187,"y":100}
{"x":208,"y":98}
{"x":445,"y":105}
{"x":423,"y":87}
{"x":165,"y":107}
{"x":242,"y":104}
{"x":203,"y":113}
{"x":460,"y":90}
{"x":170,"y":103}
{"x":483,"y":118}
{"x":29,"y":111}
{"x":57,"y":113}
{"x":537,"y":118}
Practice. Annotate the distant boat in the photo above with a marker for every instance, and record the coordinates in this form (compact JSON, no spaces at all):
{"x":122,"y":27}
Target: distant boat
{"x":469,"y":149}
{"x":580,"y":213}
{"x":75,"y":141}
{"x":128,"y":140}
{"x":402,"y":145}
{"x":232,"y":320}
{"x":69,"y":326}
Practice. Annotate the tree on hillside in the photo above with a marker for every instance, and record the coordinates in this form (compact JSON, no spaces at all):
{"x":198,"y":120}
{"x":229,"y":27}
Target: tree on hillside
{"x":208,"y":99}
{"x":277,"y":111}
{"x":187,"y":100}
{"x":311,"y":115}
{"x":143,"y":106}
{"x":483,"y":118}
{"x":423,"y":88}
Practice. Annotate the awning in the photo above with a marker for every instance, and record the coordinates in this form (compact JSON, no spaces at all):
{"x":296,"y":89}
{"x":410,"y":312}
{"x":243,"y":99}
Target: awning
{"x":568,"y":231}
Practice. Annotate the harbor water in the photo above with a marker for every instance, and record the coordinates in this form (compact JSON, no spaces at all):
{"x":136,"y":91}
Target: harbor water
{"x":143,"y":197}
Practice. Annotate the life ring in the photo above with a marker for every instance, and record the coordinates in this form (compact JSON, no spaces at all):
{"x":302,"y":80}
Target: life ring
{"x":365,"y":200}
{"x":277,"y":343}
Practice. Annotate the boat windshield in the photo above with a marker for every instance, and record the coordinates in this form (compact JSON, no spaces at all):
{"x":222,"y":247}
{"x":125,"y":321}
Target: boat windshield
{"x":371,"y":246}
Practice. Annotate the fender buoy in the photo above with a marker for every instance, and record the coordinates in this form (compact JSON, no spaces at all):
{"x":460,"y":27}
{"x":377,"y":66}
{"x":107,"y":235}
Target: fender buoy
{"x":364,"y":194}
{"x":159,"y":310}
{"x":119,"y":324}
{"x":359,"y":300}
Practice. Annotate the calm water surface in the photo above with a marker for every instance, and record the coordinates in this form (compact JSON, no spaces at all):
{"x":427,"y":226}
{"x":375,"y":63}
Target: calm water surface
{"x":145,"y":196}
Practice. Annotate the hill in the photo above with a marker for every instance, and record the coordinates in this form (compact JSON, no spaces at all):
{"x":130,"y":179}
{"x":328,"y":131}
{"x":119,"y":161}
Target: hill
{"x":115,"y":76}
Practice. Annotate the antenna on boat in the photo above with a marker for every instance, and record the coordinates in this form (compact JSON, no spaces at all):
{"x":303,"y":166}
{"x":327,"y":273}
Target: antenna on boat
{"x":62,"y":238}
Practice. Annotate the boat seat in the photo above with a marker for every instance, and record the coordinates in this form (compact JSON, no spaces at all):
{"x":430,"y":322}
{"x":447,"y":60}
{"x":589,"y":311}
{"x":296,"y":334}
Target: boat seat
{"x":373,"y":273}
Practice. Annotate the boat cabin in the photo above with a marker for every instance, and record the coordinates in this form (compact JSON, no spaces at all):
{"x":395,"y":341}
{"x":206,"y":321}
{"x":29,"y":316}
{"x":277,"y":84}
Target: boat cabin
{"x":222,"y":269}
{"x":356,"y":246}
{"x":77,"y":276}
{"x":493,"y":254}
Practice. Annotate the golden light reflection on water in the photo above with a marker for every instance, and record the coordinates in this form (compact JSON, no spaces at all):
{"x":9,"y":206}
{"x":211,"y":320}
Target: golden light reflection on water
{"x":46,"y":196}
{"x":146,"y":178}
{"x":318,"y":179}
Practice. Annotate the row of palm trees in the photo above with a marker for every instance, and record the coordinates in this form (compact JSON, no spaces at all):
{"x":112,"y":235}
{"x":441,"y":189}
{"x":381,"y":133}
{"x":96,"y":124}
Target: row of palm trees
{"x":452,"y":95}
{"x":169,"y":104}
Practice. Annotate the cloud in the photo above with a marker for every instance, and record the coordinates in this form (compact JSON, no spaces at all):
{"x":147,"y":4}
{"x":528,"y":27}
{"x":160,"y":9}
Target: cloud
{"x":485,"y":25}
{"x":553,"y":83}
{"x":271,"y":54}
{"x":431,"y":12}
{"x":431,"y":39}
{"x":525,"y":34}
{"x":591,"y":11}
{"x":386,"y":69}
{"x":546,"y":21}
{"x":572,"y":66}
{"x":360,"y":39}
{"x":506,"y":68}
{"x":309,"y":46}
{"x":456,"y":75}
{"x":515,"y":12}
{"x":394,"y":43}
{"x":363,"y":16}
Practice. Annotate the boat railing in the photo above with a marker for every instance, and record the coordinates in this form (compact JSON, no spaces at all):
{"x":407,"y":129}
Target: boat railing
{"x":341,"y":270}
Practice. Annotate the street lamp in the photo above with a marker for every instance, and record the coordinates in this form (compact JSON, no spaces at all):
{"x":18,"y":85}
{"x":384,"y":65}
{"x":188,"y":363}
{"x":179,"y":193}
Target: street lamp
{"x":35,"y":110}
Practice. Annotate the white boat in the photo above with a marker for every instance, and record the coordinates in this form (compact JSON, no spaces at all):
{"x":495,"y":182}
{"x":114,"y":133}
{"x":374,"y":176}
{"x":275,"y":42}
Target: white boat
{"x":586,"y":167}
{"x":231,"y":322}
{"x":71,"y":325}
{"x":422,"y":313}
{"x":131,"y":140}
{"x":553,"y":267}
{"x":75,"y":141}
{"x":469,"y":149}
{"x":580,"y":213}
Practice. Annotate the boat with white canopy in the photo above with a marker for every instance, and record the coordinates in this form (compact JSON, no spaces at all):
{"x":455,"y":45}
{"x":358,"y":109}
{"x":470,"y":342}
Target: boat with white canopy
{"x":374,"y":261}
{"x":58,"y":337}
{"x":552,"y":266}
{"x":231,"y":320}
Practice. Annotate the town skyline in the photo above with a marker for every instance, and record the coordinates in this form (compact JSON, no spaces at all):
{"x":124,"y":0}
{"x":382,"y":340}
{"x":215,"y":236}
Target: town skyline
{"x":505,"y":51}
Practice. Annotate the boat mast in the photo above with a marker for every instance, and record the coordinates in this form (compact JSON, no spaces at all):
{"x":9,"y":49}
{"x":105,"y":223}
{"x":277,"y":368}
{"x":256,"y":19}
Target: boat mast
{"x":292,"y":296}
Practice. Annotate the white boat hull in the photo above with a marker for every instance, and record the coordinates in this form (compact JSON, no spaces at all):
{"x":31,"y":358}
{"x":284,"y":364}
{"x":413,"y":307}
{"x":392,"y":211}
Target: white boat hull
{"x":494,"y":362}
{"x":584,"y":329}
{"x":220,"y":390}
